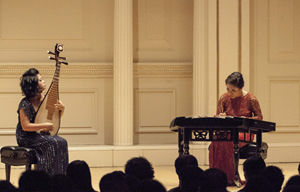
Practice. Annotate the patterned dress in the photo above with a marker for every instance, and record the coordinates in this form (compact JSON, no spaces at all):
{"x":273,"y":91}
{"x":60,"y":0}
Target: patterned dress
{"x":51,"y":151}
{"x":221,"y":153}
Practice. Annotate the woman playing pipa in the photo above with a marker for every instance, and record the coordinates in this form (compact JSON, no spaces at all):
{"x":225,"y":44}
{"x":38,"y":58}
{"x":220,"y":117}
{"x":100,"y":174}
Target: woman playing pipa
{"x":51,"y":151}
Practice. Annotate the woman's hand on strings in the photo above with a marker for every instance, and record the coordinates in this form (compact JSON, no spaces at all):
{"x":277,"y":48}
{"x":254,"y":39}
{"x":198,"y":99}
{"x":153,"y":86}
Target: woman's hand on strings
{"x":48,"y":127}
{"x":60,"y":106}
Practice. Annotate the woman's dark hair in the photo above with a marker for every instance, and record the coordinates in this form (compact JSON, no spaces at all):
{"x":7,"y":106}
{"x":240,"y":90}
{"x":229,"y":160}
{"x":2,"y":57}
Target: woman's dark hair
{"x":236,"y":79}
{"x":60,"y":183}
{"x":80,"y":176}
{"x":34,"y":180}
{"x":139,"y":167}
{"x":115,"y":181}
{"x":213,"y":179}
{"x":29,"y":83}
{"x":7,"y":186}
{"x":151,"y":185}
{"x":294,"y":180}
{"x":183,"y":161}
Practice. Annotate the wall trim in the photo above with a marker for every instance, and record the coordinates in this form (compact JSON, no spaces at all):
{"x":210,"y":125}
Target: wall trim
{"x":99,"y":70}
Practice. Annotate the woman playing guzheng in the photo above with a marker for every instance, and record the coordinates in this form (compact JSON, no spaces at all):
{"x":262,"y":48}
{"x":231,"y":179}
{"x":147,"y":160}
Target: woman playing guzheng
{"x":235,"y":102}
{"x":51,"y":151}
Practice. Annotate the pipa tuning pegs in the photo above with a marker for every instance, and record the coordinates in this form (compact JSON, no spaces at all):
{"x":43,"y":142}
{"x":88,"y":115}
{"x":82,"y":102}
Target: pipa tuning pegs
{"x":59,"y":47}
{"x":63,"y":58}
{"x":66,"y":63}
{"x":49,"y":52}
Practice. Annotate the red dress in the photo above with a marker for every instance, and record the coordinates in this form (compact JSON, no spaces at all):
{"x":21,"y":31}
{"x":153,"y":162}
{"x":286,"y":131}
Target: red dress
{"x":221,"y":153}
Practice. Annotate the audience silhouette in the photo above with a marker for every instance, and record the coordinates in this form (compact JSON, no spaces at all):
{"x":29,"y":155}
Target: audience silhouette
{"x":139,"y":167}
{"x":60,"y":183}
{"x":150,"y":185}
{"x":252,"y":166}
{"x":257,"y":183}
{"x":6,"y":186}
{"x":292,"y":183}
{"x":190,"y":179}
{"x":181,"y":162}
{"x":274,"y":175}
{"x":139,"y":177}
{"x":35,"y":181}
{"x":115,"y":181}
{"x":80,"y":176}
{"x":214,"y":180}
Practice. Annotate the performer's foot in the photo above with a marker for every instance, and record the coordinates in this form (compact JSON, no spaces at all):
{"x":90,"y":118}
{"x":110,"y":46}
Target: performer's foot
{"x":238,"y":183}
{"x":231,"y":183}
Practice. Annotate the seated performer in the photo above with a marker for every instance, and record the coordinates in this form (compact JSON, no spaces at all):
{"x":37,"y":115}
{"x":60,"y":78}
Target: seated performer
{"x":51,"y":151}
{"x":235,"y":102}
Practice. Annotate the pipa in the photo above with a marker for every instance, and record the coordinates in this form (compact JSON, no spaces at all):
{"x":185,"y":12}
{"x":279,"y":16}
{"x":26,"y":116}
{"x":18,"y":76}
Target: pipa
{"x":47,"y":113}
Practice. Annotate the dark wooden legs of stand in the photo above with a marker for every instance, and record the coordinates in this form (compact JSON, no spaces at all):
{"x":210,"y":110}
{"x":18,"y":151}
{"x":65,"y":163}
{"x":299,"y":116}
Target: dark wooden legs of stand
{"x":186,"y":141}
{"x":180,"y":141}
{"x":7,"y":172}
{"x":259,"y":141}
{"x":183,"y":141}
{"x":236,"y":157}
{"x":185,"y":135}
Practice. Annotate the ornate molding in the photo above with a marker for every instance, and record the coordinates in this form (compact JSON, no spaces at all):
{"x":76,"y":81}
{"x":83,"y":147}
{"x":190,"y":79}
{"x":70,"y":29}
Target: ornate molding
{"x":181,"y":70}
{"x":163,"y":70}
{"x":77,"y":71}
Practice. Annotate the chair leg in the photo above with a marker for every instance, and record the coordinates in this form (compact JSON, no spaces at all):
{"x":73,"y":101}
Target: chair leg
{"x":28,"y":167}
{"x":7,"y":171}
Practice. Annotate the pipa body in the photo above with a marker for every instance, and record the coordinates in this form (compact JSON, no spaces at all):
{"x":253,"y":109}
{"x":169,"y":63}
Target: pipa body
{"x":47,"y":113}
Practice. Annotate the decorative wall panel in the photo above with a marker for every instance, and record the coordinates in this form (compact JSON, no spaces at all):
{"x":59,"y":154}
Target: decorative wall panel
{"x":154,"y":25}
{"x":285,"y":102}
{"x":155,"y":108}
{"x":83,"y":119}
{"x":30,"y":28}
{"x":8,"y":112}
{"x":42,"y":20}
{"x":163,"y":31}
{"x":284,"y":31}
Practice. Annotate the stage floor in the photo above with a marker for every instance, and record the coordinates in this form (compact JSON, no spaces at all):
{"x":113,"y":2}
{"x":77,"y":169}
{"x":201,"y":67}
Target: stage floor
{"x":165,"y":174}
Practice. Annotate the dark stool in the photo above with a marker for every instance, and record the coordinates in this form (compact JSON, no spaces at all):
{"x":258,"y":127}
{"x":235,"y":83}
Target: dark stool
{"x":17,"y":156}
{"x":251,"y":150}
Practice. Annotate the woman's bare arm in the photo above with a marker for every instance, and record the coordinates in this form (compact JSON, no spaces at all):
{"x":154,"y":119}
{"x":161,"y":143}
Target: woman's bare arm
{"x":27,"y":126}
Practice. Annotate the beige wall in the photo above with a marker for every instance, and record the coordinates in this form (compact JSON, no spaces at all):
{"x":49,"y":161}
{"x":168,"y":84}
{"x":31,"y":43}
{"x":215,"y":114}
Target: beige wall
{"x":162,"y":52}
{"x":163,"y":67}
{"x":275,"y":77}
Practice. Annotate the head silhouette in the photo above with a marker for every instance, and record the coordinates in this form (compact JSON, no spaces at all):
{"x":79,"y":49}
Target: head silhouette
{"x":113,"y":182}
{"x":80,"y":176}
{"x":139,"y":167}
{"x":252,"y":166}
{"x":33,"y":180}
{"x":274,"y":175}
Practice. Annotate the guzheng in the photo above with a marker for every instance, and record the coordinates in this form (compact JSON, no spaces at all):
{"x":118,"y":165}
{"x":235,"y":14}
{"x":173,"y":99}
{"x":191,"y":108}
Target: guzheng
{"x":46,"y":111}
{"x":221,"y":123}
{"x":220,"y":129}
